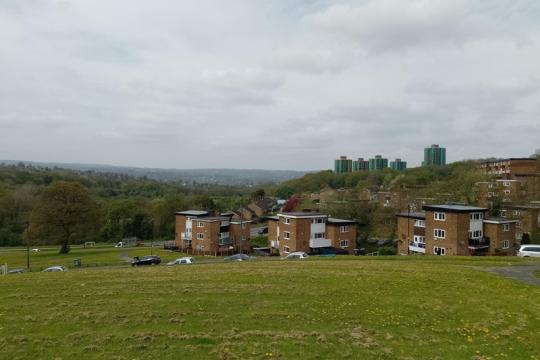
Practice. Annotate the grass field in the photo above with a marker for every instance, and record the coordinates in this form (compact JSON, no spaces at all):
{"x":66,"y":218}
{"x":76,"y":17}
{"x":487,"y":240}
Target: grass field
{"x":343,"y":308}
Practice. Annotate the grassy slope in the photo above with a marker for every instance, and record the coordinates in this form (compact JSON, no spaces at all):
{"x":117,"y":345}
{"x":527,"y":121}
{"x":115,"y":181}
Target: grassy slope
{"x":413,"y":308}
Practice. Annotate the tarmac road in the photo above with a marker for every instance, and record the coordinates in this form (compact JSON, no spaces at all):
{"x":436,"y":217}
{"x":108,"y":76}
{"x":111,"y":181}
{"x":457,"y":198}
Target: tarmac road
{"x":522,"y":273}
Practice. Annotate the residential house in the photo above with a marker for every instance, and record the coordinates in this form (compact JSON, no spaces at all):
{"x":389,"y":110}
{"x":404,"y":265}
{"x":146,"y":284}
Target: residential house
{"x":455,"y":229}
{"x":203,"y":233}
{"x":306,"y":231}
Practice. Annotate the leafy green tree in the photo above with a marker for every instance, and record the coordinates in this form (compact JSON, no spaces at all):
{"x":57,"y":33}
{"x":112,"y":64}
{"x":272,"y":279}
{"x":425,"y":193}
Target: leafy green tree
{"x":64,"y":213}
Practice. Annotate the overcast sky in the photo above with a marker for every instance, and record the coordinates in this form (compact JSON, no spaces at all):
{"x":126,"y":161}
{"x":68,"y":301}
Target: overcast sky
{"x":267,"y":84}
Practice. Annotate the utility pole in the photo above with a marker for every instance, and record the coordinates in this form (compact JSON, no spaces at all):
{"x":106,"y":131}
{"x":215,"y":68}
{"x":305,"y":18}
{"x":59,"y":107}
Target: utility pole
{"x":408,"y":227}
{"x":27,"y":247}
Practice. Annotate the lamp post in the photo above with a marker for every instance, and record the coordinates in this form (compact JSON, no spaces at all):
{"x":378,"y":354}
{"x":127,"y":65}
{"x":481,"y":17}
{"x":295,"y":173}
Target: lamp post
{"x":27,"y":247}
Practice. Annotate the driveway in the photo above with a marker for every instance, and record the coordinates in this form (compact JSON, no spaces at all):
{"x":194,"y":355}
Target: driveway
{"x":520,"y":273}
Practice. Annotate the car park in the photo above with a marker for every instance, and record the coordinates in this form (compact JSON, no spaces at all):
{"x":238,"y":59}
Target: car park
{"x":146,"y":260}
{"x":296,"y":255}
{"x":182,"y":261}
{"x":530,"y":250}
{"x":55,"y":269}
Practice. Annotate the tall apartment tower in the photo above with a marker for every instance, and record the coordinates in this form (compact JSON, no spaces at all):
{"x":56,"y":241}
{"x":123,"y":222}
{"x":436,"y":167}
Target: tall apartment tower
{"x":434,"y":155}
{"x":360,"y":165}
{"x":378,"y":163}
{"x":398,"y":164}
{"x":343,"y":165}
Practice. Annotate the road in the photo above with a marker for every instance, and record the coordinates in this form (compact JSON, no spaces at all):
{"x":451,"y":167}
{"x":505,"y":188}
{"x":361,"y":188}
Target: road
{"x":522,"y":273}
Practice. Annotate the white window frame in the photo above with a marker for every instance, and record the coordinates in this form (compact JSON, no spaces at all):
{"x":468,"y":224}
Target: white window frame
{"x":286,"y":249}
{"x":505,"y":244}
{"x":200,"y":224}
{"x":286,"y":235}
{"x":287,"y":220}
{"x":476,"y":216}
{"x":201,"y":237}
{"x":502,"y":213}
{"x":244,"y":238}
{"x":317,"y":221}
{"x":439,"y":233}
{"x":419,"y":239}
{"x":440,"y":216}
{"x":507,"y":192}
{"x":200,"y":248}
{"x":318,"y":236}
{"x":443,"y":250}
{"x":344,"y":228}
{"x":506,"y":183}
{"x":476,"y":234}
{"x":506,"y":227}
{"x":344,"y":243}
{"x":420,"y":223}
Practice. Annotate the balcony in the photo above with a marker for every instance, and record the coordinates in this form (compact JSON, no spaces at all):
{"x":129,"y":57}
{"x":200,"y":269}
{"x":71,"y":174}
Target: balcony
{"x":479,"y":243}
{"x":224,"y":240}
{"x":318,"y":243}
{"x":417,"y":247}
{"x":185,"y":236}
{"x":274,"y":243}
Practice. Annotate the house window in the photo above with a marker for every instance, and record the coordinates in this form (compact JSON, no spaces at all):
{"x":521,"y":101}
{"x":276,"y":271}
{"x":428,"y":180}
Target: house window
{"x":200,"y":224}
{"x":318,"y":236}
{"x":318,"y":221}
{"x":243,"y":238}
{"x":439,"y":251}
{"x":188,"y":218}
{"x":344,"y":228}
{"x":476,"y":234}
{"x":286,"y":249}
{"x":439,"y":216}
{"x":506,"y":183}
{"x":200,"y":236}
{"x":287,"y":221}
{"x":439,"y":234}
{"x":517,"y":213}
{"x":419,"y":239}
{"x":420,"y":223}
{"x":477,"y":216}
{"x":505,"y":244}
{"x":506,"y":227}
{"x":286,"y":235}
{"x":344,"y":243}
{"x":243,"y":225}
{"x":507,"y":192}
{"x":200,"y":247}
{"x":490,"y":194}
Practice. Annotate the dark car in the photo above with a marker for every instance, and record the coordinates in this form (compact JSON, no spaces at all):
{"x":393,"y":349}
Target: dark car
{"x":146,"y":260}
{"x":328,"y":251}
{"x":239,"y":257}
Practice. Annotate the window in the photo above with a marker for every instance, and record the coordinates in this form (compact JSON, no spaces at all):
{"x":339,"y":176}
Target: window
{"x":490,"y":194}
{"x":287,"y":221}
{"x":506,"y":227}
{"x":344,"y":228}
{"x":439,"y":251}
{"x":505,"y":244}
{"x":438,"y":233}
{"x":200,"y":236}
{"x":477,"y":216}
{"x":318,"y":221}
{"x":517,"y":213}
{"x":286,"y":235}
{"x":200,"y":224}
{"x":507,"y":192}
{"x":318,"y":236}
{"x":419,"y":239}
{"x":440,"y":216}
{"x":243,"y":225}
{"x":243,"y":238}
{"x":506,"y":183}
{"x":200,"y":247}
{"x":476,"y":234}
{"x":420,"y":223}
{"x":286,"y":249}
{"x":344,"y":243}
{"x":188,"y":218}
{"x":503,"y":213}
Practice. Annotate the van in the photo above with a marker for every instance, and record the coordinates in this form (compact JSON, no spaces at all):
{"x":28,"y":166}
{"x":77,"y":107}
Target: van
{"x":529,"y":251}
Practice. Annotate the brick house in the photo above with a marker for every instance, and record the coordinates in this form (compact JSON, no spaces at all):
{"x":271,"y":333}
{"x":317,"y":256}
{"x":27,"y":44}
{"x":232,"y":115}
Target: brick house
{"x":527,"y":217}
{"x":510,"y":168}
{"x":198,"y":232}
{"x":306,"y":231}
{"x":455,"y":230}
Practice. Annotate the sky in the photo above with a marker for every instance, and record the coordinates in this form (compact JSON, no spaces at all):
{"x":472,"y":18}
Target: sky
{"x":267,"y":84}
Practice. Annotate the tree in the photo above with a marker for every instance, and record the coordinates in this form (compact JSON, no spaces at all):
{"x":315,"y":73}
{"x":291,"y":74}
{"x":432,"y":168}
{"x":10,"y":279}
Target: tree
{"x":64,"y":213}
{"x":259,"y":194}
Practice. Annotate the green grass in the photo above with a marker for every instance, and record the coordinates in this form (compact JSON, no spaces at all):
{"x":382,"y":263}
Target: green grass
{"x":342,"y":308}
{"x":106,"y":255}
{"x":537,"y":273}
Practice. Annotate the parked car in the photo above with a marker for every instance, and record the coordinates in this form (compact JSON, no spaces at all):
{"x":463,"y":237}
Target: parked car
{"x":263,"y":230}
{"x":328,"y":251}
{"x":120,"y":244}
{"x":296,"y":255}
{"x":146,"y":260}
{"x":36,"y":250}
{"x":182,"y":261}
{"x":239,"y":257}
{"x":55,"y":269}
{"x":16,"y":271}
{"x":529,"y":251}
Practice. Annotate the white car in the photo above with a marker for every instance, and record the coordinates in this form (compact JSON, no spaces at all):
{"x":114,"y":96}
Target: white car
{"x":182,"y":261}
{"x":297,"y":255}
{"x":120,"y":244}
{"x":531,"y":250}
{"x":36,"y":250}
{"x":55,"y":269}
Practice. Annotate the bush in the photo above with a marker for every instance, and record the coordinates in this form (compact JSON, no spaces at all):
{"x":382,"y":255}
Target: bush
{"x":387,"y":250}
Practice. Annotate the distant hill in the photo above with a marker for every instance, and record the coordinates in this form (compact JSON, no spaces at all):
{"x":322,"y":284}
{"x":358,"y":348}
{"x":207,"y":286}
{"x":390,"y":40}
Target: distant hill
{"x":245,"y":177}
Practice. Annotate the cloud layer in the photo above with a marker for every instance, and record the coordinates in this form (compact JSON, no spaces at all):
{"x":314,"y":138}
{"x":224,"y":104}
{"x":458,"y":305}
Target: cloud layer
{"x":253,"y":84}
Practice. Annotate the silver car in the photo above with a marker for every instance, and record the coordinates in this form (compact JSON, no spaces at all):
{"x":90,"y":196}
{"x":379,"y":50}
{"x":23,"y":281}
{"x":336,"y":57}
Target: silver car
{"x":55,"y":269}
{"x":529,"y":251}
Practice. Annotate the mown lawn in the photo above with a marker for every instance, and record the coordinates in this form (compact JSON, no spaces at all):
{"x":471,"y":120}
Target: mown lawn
{"x":343,"y":308}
